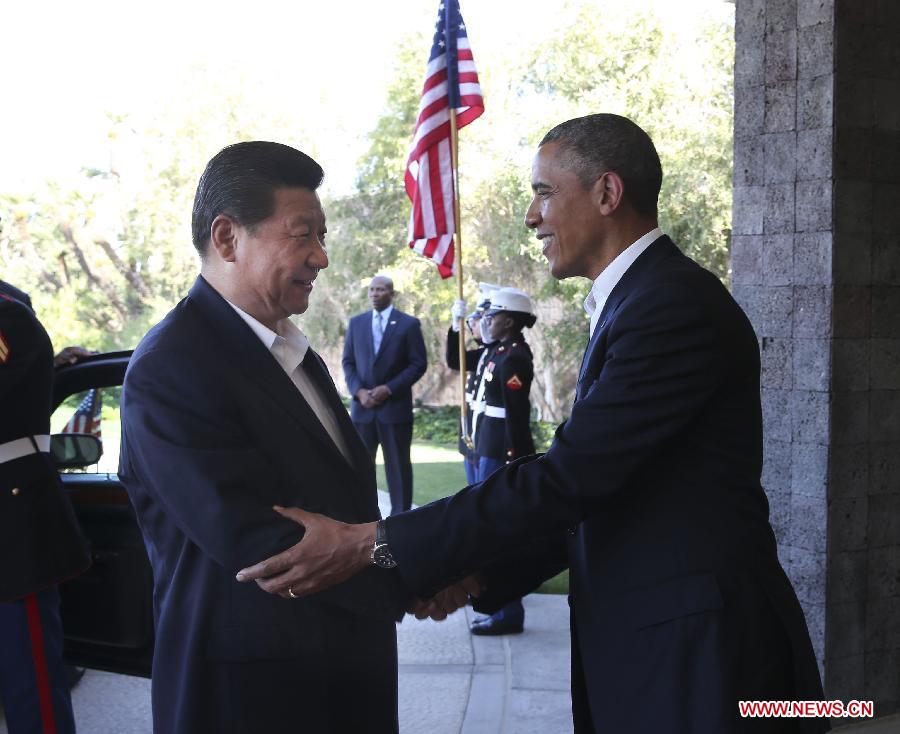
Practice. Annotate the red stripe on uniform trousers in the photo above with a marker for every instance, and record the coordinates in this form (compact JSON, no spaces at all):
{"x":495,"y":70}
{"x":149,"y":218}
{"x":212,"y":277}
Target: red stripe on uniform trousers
{"x":40,"y":663}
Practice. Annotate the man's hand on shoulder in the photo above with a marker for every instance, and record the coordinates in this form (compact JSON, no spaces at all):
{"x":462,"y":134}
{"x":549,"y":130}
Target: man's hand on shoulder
{"x":329,"y":552}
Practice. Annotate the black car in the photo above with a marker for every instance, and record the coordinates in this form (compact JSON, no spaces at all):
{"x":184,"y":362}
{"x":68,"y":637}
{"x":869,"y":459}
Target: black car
{"x":107,"y":612}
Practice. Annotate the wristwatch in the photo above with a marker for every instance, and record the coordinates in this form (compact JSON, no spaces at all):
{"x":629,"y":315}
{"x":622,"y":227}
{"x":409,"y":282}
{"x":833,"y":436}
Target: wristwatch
{"x":381,"y":554}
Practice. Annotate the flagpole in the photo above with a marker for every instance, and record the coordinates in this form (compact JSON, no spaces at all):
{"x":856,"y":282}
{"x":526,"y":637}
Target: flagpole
{"x":454,"y":156}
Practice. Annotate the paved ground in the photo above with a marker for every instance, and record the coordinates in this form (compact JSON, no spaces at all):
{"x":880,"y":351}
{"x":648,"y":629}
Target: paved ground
{"x":450,"y":682}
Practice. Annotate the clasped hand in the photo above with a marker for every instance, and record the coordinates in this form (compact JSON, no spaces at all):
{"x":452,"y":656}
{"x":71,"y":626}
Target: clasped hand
{"x":332,"y":551}
{"x":374,"y":397}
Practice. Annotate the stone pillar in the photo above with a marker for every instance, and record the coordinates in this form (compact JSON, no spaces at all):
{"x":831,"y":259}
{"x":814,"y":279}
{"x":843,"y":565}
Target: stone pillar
{"x":816,"y":265}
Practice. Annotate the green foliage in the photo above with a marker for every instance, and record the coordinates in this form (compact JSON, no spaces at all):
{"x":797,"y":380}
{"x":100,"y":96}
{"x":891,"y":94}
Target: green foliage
{"x":436,"y":423}
{"x":542,"y":433}
{"x":107,"y":254}
{"x":675,"y":82}
{"x":557,"y":585}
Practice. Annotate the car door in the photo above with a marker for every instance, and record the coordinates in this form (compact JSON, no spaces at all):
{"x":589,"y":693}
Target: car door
{"x":107,"y":612}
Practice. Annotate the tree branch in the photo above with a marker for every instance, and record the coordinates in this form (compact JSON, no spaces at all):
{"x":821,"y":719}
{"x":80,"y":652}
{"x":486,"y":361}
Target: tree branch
{"x":131,"y":275}
{"x":109,"y":290}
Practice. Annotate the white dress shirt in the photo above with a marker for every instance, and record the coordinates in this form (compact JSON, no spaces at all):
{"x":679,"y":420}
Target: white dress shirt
{"x":289,"y":347}
{"x":612,"y":274}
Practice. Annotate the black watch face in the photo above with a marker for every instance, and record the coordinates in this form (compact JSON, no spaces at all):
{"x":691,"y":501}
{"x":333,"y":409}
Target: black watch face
{"x":383,"y":558}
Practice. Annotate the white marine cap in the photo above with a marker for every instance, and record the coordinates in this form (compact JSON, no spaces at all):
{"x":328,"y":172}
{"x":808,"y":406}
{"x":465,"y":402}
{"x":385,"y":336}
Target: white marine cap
{"x":486,"y":290}
{"x":484,"y":297}
{"x":511,"y":299}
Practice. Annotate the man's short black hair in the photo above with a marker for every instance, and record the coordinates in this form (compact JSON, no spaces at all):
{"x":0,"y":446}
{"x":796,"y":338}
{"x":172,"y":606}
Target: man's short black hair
{"x":240,"y":180}
{"x":596,"y":144}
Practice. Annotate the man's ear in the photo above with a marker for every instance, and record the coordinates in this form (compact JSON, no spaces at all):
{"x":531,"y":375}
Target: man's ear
{"x":608,"y":192}
{"x":223,"y":237}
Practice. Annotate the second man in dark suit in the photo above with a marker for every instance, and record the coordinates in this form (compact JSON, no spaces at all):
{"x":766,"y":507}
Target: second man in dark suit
{"x":384,"y":356}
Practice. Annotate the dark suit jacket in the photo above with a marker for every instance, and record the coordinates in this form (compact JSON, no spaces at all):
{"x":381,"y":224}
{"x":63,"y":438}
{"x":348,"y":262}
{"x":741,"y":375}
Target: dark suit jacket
{"x":40,"y":541}
{"x":679,"y":603}
{"x":399,"y":364}
{"x":214,"y":433}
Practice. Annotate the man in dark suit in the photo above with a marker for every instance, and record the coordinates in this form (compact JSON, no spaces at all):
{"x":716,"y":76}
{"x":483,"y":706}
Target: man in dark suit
{"x":40,"y":542}
{"x":227,"y":412}
{"x":384,"y":356}
{"x":650,"y":492}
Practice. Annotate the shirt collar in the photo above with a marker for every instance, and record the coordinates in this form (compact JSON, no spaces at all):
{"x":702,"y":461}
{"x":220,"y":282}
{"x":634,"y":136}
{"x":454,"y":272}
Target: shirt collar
{"x":386,"y":314}
{"x":289,"y":345}
{"x":605,"y":282}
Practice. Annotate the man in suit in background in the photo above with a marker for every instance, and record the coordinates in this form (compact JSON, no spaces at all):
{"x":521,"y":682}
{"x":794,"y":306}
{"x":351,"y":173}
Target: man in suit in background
{"x":650,"y":492}
{"x":226,"y":413}
{"x":384,"y":356}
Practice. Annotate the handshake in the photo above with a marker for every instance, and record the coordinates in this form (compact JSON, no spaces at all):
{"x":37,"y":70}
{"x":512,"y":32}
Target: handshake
{"x":331,"y":552}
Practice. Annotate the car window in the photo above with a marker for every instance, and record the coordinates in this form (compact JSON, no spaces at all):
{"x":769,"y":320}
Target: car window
{"x":94,"y":411}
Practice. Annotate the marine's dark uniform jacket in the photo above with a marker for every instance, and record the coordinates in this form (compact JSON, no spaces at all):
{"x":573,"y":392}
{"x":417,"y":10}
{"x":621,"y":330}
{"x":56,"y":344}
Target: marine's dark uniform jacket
{"x":476,"y":359}
{"x":502,"y":428}
{"x":40,"y":543}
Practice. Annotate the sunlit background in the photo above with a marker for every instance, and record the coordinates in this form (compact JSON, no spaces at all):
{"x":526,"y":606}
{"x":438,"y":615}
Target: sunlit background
{"x":111,"y":110}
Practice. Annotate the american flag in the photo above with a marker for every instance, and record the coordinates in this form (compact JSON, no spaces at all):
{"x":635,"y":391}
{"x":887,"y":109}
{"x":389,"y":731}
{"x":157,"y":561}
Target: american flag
{"x":86,"y":418}
{"x":450,"y":81}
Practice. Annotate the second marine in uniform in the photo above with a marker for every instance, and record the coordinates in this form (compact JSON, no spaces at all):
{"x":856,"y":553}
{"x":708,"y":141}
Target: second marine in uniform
{"x":502,"y":413}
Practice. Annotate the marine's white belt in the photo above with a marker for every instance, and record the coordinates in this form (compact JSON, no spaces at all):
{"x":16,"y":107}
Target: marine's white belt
{"x":494,"y":412}
{"x":19,"y":447}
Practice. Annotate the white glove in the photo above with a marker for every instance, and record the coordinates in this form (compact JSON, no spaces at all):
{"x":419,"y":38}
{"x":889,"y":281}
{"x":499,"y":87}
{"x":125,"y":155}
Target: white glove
{"x":458,"y":312}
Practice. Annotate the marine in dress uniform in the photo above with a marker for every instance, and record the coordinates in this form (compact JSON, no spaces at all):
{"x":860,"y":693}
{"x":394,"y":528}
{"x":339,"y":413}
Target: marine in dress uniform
{"x":475,"y":361}
{"x":502,"y":410}
{"x":40,"y":542}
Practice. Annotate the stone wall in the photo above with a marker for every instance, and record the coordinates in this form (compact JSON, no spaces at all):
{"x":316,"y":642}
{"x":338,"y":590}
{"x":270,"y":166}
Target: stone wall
{"x":816,"y":265}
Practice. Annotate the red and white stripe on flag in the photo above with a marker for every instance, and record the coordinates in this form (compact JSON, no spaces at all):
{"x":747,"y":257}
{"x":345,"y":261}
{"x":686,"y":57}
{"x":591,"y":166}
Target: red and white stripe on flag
{"x":86,"y":418}
{"x":429,"y":169}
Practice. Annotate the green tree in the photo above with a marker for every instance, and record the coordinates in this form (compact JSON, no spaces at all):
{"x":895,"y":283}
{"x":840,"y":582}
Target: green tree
{"x":106,"y":255}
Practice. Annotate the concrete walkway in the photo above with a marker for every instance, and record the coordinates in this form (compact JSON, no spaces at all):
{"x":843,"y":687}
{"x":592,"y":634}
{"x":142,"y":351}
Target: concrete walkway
{"x":454,"y":683}
{"x":450,"y":682}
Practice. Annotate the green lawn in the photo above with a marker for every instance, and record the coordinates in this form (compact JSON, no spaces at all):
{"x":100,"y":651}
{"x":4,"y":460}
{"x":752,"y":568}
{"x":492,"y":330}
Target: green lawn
{"x":438,"y":472}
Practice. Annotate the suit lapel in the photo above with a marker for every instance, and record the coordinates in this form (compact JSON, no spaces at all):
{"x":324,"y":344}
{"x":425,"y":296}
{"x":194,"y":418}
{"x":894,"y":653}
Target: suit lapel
{"x":318,"y":373}
{"x":258,"y":364}
{"x":660,"y":248}
{"x":605,"y":320}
